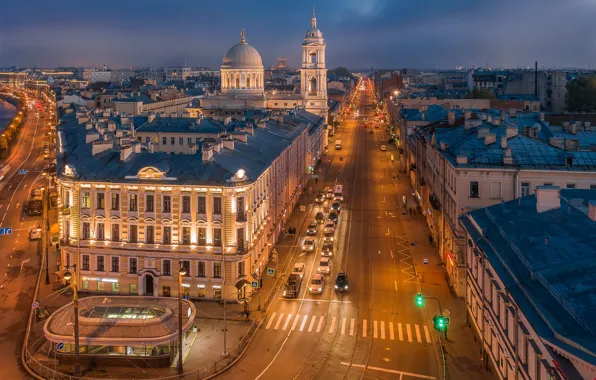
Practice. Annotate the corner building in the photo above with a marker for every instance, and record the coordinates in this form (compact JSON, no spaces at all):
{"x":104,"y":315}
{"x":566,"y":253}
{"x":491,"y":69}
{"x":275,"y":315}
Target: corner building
{"x":142,"y":195}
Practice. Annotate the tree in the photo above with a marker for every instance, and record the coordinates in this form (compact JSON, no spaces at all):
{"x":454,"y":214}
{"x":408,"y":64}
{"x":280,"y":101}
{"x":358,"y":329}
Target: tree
{"x":581,"y":94}
{"x":480,"y":93}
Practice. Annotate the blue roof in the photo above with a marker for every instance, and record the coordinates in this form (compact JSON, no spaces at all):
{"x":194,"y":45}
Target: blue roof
{"x":547,"y":262}
{"x":524,"y":97}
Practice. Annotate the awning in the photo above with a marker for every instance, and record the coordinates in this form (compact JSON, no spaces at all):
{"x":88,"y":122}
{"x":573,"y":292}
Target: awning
{"x":241,"y":284}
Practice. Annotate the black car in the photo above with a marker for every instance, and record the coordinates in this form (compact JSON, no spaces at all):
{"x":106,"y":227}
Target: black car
{"x":327,"y":250}
{"x":333,"y":216}
{"x":320,"y":197}
{"x":336,"y":206}
{"x":341,"y":282}
{"x":320,"y":217}
{"x":312,"y":229}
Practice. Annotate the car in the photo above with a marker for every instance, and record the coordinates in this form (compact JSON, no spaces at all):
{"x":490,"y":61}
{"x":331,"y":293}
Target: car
{"x":35,"y":233}
{"x":330,"y":193}
{"x":327,"y":250}
{"x":383,"y":148}
{"x":328,"y":236}
{"x":320,"y":198}
{"x":336,"y":206}
{"x":333,"y":216}
{"x":312,"y":229}
{"x":292,"y":287}
{"x":299,"y":269}
{"x":324,"y":266}
{"x":329,"y":225}
{"x":309,"y":244}
{"x":320,"y":218}
{"x":341,"y":282}
{"x":316,"y":284}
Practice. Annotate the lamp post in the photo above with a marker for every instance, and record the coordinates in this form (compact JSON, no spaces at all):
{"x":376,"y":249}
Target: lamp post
{"x":181,"y":273}
{"x":75,"y":307}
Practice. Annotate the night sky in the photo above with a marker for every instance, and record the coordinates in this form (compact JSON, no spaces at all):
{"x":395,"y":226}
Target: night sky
{"x":359,"y":33}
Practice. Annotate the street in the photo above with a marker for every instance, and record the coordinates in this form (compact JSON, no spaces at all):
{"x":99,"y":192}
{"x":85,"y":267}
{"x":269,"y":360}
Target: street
{"x":20,"y":257}
{"x":375,"y":324}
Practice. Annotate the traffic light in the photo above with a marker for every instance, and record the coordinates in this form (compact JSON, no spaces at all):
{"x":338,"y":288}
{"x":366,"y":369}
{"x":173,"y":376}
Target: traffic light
{"x":439,"y":323}
{"x":419,"y":299}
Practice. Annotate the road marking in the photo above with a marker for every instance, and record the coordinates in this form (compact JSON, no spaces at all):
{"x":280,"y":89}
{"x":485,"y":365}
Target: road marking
{"x":391,"y":333}
{"x":391,"y":254}
{"x":418,"y":334}
{"x":427,"y":334}
{"x":270,"y":321}
{"x":379,"y":251}
{"x":320,"y":326}
{"x":364,"y":328}
{"x":303,"y":322}
{"x":295,"y":322}
{"x":375,"y":332}
{"x":287,"y":322}
{"x":401,"y":373}
{"x":409,"y":331}
{"x":382,"y":329}
{"x":312,"y":324}
{"x":281,"y":316}
{"x":343,"y":326}
{"x":333,"y":325}
{"x":352,"y":327}
{"x":395,"y":283}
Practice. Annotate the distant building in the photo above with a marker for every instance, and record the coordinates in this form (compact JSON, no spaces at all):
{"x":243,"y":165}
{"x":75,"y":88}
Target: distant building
{"x":530,"y":274}
{"x":551,"y":87}
{"x":456,"y":80}
{"x":176,"y":74}
{"x":491,"y":80}
{"x":281,"y":65}
{"x":101,"y":76}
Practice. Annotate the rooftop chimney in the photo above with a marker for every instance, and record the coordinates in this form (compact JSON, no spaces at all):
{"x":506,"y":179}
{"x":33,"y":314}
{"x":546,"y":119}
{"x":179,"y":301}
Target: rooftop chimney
{"x":151,"y":117}
{"x":125,"y":151}
{"x":511,"y":132}
{"x":508,"y":157}
{"x":547,"y":198}
{"x":503,"y":142}
{"x":491,"y":138}
{"x":512,"y":112}
{"x":207,"y":152}
{"x":451,"y":117}
{"x":482,"y":132}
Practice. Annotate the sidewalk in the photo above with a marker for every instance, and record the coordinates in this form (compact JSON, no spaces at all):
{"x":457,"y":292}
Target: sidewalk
{"x":462,"y":352}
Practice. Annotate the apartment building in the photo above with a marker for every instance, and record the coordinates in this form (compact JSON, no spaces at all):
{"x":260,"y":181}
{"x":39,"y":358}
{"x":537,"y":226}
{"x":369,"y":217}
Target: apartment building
{"x":530,"y":275}
{"x":142,"y":196}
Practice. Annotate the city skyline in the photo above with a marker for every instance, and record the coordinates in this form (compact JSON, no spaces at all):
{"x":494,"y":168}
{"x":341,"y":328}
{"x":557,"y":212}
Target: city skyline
{"x":436,"y":36}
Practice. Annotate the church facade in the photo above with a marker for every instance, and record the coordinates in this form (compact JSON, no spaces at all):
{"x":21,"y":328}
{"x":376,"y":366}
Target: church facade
{"x":242,"y":81}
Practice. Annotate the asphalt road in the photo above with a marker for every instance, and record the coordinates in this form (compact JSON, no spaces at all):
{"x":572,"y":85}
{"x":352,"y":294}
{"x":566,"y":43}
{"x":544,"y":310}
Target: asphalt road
{"x":374,"y":330}
{"x":19,"y":257}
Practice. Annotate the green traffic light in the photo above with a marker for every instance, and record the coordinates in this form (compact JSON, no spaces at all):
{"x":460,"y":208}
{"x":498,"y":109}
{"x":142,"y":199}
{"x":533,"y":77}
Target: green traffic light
{"x":419,"y":299}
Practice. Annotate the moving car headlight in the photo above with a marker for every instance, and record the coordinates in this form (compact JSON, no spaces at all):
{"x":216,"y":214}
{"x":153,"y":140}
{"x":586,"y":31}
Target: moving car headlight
{"x":285,"y":291}
{"x":318,"y":269}
{"x":310,"y":289}
{"x":335,"y":287}
{"x":346,"y":287}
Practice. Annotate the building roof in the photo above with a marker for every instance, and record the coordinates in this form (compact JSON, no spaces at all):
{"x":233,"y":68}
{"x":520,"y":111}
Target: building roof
{"x":242,"y":56}
{"x":547,"y":262}
{"x":120,"y":320}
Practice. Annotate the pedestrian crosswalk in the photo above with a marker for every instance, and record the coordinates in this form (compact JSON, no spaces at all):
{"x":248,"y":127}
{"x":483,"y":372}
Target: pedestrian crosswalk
{"x":384,"y":330}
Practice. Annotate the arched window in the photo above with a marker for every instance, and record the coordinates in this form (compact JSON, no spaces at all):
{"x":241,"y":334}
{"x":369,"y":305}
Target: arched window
{"x":237,"y":81}
{"x":248,"y":81}
{"x":312,"y":88}
{"x":313,"y":57}
{"x":243,"y":79}
{"x":227,"y":81}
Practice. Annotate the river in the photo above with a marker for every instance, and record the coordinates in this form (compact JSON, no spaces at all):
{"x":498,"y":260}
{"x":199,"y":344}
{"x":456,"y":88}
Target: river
{"x":7,"y":112}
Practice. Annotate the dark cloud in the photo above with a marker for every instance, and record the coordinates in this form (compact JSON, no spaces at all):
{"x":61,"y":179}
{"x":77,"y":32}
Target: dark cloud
{"x":359,"y":33}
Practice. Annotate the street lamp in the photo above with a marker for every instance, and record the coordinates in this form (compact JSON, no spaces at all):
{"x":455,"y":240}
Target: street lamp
{"x":181,"y":274}
{"x":75,"y":307}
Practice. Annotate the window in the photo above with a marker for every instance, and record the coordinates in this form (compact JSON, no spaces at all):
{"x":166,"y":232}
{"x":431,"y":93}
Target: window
{"x":115,"y":232}
{"x":186,"y":265}
{"x":180,"y":140}
{"x":217,"y":237}
{"x":132,"y":265}
{"x":240,"y":210}
{"x":247,"y":82}
{"x":115,"y":264}
{"x":101,"y":231}
{"x":115,"y":287}
{"x":164,"y":141}
{"x":133,"y":233}
{"x":571,"y":185}
{"x":166,"y":268}
{"x":201,"y":272}
{"x":185,"y":235}
{"x":86,"y":230}
{"x":592,"y":187}
{"x":202,"y":236}
{"x":115,"y":201}
{"x":240,"y":239}
{"x":217,"y":292}
{"x":186,"y":204}
{"x":101,"y":201}
{"x":132,"y":204}
{"x":99,"y":286}
{"x":132,"y":288}
{"x":525,"y":189}
{"x":86,"y":200}
{"x":85,"y":284}
{"x":241,"y":269}
{"x":201,"y":290}
{"x":217,"y":205}
{"x":474,"y":193}
{"x":167,"y":203}
{"x":150,"y":234}
{"x":150,"y":203}
{"x":85,"y":262}
{"x":100,"y":264}
{"x":217,"y":269}
{"x":172,"y":140}
{"x":202,"y":206}
{"x":167,"y":235}
{"x":189,"y":140}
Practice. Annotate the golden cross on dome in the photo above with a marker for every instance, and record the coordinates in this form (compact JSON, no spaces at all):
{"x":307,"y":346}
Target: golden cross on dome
{"x":242,"y":39}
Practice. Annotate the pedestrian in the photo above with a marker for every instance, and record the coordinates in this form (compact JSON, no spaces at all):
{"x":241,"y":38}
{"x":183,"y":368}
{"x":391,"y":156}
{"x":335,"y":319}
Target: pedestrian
{"x":316,"y":181}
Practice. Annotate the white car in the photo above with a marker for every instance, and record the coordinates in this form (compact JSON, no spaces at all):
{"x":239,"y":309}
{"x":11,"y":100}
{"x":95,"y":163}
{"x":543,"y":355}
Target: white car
{"x":324,"y":266}
{"x":328,"y":236}
{"x":383,"y":148}
{"x":309,"y":244}
{"x":329,"y":225}
{"x":299,"y":269}
{"x":316,"y":284}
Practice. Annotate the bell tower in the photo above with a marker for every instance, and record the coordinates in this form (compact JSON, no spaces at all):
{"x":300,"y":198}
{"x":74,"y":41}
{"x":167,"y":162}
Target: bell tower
{"x":313,"y":73}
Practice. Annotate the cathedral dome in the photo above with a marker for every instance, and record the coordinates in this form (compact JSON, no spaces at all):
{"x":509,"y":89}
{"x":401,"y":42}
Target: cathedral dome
{"x":242,"y":56}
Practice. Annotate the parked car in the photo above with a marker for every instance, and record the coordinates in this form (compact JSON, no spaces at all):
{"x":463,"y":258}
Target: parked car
{"x":341,"y":282}
{"x":324,"y":266}
{"x":383,"y":148}
{"x":316,"y":284}
{"x":312,"y":229}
